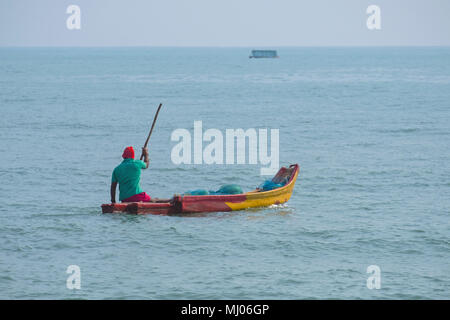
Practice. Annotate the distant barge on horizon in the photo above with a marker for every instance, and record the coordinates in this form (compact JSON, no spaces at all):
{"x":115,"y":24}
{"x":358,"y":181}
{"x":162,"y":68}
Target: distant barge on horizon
{"x":264,"y":54}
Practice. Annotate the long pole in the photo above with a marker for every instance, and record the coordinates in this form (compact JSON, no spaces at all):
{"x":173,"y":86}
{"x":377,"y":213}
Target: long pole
{"x":153,"y":125}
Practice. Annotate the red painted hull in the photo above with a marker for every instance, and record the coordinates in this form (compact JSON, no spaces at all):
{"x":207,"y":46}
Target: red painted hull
{"x":140,"y":208}
{"x":179,"y":204}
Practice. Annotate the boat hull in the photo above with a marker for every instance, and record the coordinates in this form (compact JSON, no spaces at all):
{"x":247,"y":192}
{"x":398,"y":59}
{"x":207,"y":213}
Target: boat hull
{"x":212,"y":203}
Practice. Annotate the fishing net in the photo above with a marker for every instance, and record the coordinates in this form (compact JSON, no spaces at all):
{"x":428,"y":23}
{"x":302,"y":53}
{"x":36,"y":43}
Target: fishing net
{"x":280,"y":179}
{"x":224,"y":190}
{"x":198,"y":192}
{"x":228,"y":189}
{"x":269,"y":185}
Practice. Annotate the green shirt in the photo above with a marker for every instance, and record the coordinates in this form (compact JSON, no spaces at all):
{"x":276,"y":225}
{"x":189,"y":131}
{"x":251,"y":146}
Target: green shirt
{"x":128,"y":174}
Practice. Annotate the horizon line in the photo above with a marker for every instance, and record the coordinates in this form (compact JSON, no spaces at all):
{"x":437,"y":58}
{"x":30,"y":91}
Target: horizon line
{"x":225,"y":47}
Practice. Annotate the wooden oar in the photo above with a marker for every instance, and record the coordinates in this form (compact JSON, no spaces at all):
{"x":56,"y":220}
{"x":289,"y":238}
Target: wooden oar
{"x":153,"y":125}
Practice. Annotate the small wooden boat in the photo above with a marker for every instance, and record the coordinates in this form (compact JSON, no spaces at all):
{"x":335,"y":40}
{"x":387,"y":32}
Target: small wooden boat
{"x":215,"y":203}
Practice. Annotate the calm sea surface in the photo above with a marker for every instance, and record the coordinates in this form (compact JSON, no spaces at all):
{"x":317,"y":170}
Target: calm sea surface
{"x":370,"y":128}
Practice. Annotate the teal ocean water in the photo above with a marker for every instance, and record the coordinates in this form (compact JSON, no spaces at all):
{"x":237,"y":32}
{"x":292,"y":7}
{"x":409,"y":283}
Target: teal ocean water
{"x":368,"y":126}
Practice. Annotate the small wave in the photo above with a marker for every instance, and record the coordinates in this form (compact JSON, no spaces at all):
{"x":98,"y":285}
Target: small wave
{"x":401,"y":130}
{"x":6,"y":278}
{"x":9,"y":100}
{"x":278,"y":206}
{"x":384,"y":172}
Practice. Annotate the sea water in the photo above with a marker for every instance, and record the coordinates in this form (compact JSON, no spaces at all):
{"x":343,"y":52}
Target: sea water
{"x":369,"y":128}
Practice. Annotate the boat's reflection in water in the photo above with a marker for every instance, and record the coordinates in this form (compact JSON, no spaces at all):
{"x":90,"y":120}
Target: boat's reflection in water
{"x":251,"y":213}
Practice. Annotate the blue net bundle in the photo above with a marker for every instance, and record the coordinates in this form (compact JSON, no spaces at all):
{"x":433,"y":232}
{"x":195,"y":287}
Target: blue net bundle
{"x":198,"y":192}
{"x":224,"y":190}
{"x":270,"y":185}
{"x":228,"y":189}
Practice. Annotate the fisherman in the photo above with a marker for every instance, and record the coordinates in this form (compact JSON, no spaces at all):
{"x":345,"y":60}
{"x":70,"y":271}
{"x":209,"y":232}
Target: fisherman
{"x":128,"y":175}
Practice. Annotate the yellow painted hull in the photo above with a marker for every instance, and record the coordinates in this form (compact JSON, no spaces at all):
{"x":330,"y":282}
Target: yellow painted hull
{"x":266,"y":198}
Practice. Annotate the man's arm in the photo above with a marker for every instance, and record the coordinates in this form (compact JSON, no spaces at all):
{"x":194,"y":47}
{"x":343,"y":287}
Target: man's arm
{"x":113,"y":192}
{"x":145,"y":154}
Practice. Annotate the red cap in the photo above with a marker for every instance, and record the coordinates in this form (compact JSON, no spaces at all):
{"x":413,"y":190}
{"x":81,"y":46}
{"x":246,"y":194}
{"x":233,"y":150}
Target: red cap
{"x":128,"y":153}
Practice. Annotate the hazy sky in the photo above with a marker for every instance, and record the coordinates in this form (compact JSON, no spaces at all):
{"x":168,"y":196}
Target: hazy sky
{"x":224,"y":23}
